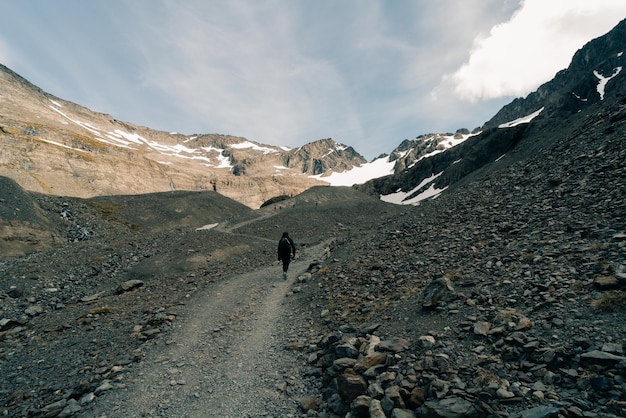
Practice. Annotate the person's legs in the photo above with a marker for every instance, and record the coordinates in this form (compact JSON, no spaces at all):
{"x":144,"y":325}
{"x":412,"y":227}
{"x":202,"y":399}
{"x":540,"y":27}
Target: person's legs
{"x":285,"y":266}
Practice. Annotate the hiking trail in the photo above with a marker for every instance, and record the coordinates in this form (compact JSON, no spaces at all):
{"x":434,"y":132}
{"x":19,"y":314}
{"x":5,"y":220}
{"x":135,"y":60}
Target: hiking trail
{"x":226,"y":356}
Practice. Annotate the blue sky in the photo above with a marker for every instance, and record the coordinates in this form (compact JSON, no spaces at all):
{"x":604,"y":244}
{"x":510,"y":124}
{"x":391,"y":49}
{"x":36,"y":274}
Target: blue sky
{"x":367,"y":73}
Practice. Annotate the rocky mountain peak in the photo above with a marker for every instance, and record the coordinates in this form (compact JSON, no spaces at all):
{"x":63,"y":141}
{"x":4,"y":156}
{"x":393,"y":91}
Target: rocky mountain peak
{"x":324,"y":156}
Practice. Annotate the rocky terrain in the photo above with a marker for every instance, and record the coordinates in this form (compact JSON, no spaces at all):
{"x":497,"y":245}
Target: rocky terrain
{"x":502,"y":297}
{"x":593,"y":81}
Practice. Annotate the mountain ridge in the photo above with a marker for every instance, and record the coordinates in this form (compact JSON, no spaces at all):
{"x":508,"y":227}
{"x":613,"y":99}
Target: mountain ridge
{"x":522,"y":123}
{"x":51,"y":145}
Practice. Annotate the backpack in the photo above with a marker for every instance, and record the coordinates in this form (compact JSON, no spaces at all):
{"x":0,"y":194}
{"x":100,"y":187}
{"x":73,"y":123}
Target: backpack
{"x":284,"y":246}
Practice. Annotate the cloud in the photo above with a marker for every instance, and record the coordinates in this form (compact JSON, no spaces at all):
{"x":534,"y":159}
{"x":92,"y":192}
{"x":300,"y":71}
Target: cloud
{"x":239,"y":66}
{"x":538,"y":41}
{"x":286,"y":73}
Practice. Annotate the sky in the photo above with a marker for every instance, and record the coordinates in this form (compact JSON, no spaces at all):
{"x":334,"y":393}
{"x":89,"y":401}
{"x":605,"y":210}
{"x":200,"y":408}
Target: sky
{"x":367,"y":73}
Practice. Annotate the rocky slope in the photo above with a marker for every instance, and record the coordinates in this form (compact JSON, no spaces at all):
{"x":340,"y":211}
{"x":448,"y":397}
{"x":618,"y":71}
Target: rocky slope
{"x":503,"y":297}
{"x":499,"y":299}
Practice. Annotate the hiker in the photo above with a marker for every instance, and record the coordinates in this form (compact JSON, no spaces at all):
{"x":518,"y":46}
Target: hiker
{"x":286,"y":248}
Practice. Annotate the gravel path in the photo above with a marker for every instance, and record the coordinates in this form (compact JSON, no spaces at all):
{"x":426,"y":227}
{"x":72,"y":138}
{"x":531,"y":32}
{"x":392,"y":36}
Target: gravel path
{"x":228,"y":356}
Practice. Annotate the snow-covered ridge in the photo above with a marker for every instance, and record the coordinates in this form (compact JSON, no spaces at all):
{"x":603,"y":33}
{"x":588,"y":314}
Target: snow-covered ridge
{"x":384,"y":166}
{"x":210,"y":156}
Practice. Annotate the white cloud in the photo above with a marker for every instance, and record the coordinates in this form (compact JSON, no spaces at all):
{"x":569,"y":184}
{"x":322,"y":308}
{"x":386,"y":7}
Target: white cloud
{"x":538,"y":41}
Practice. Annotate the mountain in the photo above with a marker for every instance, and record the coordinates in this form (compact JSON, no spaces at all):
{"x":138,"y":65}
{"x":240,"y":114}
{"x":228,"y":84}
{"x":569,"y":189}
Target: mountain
{"x":54,"y":146}
{"x":502,"y":297}
{"x":594,"y":83}
{"x":50,"y":145}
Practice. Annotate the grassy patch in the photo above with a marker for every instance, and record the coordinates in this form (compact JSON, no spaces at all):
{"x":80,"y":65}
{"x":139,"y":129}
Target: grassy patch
{"x":610,"y":301}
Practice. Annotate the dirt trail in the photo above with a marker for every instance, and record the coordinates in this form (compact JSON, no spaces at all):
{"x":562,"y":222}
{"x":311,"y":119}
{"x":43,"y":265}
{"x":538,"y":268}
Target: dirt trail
{"x":226,"y":358}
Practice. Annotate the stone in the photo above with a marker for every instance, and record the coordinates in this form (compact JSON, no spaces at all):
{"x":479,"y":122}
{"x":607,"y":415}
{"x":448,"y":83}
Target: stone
{"x":337,"y":405}
{"x":504,"y":394}
{"x":6,"y":323}
{"x":71,"y":409}
{"x":452,"y":407}
{"x":615,"y":348}
{"x":16,"y":292}
{"x":375,"y":390}
{"x":427,"y":341}
{"x":370,"y":328}
{"x":350,"y":385}
{"x":393,"y":393}
{"x":607,"y":283}
{"x":104,"y":386}
{"x":129,"y":285}
{"x":601,"y":356}
{"x":416,"y":398}
{"x":524,"y":324}
{"x":436,"y":291}
{"x":376,"y":409}
{"x":308,"y":404}
{"x":374,"y":371}
{"x":371,"y":360}
{"x":396,"y":345}
{"x":93,"y":297}
{"x":87,"y":398}
{"x":344,"y":363}
{"x":34,"y":310}
{"x":401,"y":413}
{"x":482,"y":328}
{"x":540,"y":412}
{"x":346,"y":350}
{"x":360,"y":406}
{"x":54,"y":408}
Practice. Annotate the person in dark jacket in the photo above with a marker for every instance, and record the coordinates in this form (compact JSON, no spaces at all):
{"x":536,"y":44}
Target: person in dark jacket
{"x":286,"y":248}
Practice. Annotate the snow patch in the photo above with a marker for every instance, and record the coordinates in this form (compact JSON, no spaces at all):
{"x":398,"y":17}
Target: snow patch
{"x":399,"y":197}
{"x":58,"y":144}
{"x":358,"y":175}
{"x":248,"y":144}
{"x":519,"y":121}
{"x":604,"y":80}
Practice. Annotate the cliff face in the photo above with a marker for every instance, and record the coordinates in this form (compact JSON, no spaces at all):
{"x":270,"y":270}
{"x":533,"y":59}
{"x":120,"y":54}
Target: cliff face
{"x":53,"y":146}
